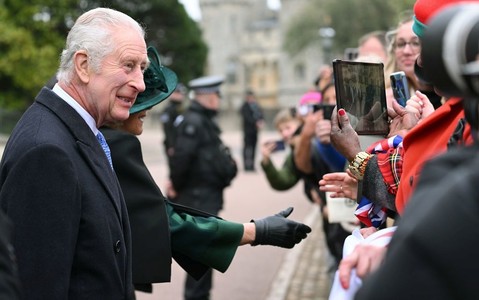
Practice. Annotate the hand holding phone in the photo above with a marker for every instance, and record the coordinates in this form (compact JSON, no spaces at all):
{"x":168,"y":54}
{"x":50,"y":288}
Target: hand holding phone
{"x":274,"y":146}
{"x":326,"y":108}
{"x":400,"y":87}
{"x":279,"y":146}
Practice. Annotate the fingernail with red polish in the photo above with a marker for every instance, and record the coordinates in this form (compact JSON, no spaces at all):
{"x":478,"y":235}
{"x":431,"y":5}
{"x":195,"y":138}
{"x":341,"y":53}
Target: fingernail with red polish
{"x":341,"y":112}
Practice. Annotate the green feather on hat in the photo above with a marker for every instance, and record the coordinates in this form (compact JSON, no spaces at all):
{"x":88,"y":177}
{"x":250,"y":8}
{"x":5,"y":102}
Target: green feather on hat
{"x":160,"y":83}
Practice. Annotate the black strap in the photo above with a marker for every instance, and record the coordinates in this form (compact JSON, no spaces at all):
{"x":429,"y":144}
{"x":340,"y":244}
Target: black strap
{"x":457,"y":137}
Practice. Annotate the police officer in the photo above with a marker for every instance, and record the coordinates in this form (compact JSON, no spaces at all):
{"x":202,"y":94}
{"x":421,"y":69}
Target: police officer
{"x":201,"y":166}
{"x":169,"y":115}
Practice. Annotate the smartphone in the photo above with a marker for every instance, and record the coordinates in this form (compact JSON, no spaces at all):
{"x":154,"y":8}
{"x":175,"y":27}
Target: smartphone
{"x":316,"y":107}
{"x":360,"y":90}
{"x":279,"y":146}
{"x":326,"y":108}
{"x":400,"y":87}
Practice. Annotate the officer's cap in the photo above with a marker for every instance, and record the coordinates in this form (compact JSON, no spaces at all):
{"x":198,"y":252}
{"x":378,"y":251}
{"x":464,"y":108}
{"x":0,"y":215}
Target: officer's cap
{"x":206,"y":85}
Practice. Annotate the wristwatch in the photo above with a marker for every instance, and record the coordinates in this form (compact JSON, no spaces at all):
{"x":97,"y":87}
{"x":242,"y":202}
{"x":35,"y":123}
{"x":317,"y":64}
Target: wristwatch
{"x":358,"y":165}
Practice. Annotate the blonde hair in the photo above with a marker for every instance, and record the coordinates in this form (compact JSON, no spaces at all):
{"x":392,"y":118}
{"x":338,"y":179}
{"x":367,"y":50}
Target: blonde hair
{"x":283,"y":116}
{"x":391,"y":63}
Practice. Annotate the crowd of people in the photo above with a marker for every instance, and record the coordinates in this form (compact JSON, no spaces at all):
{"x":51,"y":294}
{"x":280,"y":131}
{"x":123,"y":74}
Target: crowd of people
{"x":388,"y":174}
{"x":83,"y":218}
{"x":73,"y":181}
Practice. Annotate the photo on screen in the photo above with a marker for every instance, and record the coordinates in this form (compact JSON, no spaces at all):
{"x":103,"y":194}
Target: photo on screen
{"x":360,"y":90}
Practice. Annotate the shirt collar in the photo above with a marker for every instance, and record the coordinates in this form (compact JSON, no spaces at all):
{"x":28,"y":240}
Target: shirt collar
{"x":79,"y":109}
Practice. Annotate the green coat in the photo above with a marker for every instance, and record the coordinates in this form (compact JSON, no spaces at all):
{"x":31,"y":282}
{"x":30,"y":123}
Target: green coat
{"x":281,"y":179}
{"x":160,"y":230}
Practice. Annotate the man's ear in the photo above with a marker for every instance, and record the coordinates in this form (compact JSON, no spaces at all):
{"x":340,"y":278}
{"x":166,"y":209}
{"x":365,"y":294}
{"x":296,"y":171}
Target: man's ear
{"x":80,"y":61}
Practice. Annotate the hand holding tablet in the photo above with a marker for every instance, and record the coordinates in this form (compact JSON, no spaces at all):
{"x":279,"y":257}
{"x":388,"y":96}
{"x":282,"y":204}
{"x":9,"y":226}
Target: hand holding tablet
{"x":360,"y":90}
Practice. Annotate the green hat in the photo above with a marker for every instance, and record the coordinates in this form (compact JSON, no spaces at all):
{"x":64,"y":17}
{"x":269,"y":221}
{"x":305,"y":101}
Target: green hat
{"x":160,"y":82}
{"x":424,"y":10}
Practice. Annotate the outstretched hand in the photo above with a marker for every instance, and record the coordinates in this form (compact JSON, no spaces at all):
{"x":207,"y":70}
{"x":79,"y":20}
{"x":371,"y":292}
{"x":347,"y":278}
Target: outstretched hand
{"x":279,"y":231}
{"x":340,"y":184}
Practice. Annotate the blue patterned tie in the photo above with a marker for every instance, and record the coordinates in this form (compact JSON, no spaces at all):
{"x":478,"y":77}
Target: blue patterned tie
{"x":105,"y":147}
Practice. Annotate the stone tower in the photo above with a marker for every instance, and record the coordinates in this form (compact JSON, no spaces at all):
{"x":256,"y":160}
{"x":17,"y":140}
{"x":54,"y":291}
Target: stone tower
{"x":245,"y":45}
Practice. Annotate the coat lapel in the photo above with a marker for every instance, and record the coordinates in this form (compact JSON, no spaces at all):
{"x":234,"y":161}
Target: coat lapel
{"x":88,"y":145}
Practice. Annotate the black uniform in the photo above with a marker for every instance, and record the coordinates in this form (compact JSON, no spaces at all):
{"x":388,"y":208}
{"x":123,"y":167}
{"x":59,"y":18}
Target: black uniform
{"x":251,"y":113}
{"x":167,"y":118}
{"x":200,"y":169}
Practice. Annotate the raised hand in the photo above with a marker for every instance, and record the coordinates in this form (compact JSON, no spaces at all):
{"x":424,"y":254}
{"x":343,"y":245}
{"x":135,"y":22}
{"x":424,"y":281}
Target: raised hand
{"x":340,"y":184}
{"x":343,"y":136}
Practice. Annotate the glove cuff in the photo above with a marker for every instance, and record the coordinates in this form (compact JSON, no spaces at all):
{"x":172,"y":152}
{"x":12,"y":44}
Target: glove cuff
{"x":259,"y":225}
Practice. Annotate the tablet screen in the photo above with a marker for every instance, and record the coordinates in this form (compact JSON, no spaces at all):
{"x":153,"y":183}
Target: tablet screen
{"x":360,"y":90}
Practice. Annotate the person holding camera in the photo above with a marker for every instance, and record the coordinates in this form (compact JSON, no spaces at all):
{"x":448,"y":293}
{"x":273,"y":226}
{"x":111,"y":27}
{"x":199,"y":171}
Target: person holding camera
{"x":444,"y":130}
{"x":381,"y":182}
{"x":281,"y":179}
{"x":429,"y":258}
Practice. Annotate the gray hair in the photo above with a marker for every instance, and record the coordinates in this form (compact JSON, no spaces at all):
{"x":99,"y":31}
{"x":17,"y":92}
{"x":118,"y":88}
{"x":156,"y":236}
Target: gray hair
{"x":92,"y":32}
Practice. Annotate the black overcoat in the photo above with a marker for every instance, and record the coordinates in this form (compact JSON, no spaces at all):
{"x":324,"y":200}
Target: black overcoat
{"x":72,"y":236}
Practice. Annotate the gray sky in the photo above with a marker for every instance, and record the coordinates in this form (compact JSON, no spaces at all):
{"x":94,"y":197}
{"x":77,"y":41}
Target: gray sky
{"x":193,"y":9}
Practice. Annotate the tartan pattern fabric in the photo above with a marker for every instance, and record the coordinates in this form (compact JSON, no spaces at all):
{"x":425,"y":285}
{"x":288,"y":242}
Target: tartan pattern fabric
{"x":389,"y":158}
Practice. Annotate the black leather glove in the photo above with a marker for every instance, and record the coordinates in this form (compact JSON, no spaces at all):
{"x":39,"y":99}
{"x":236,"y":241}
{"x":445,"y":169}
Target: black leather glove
{"x":278,"y":231}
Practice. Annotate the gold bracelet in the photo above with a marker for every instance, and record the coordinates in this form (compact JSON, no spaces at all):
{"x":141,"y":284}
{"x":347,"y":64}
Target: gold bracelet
{"x":358,"y":165}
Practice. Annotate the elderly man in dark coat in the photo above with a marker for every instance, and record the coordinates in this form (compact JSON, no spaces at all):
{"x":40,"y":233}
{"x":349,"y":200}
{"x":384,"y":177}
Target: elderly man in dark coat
{"x":72,"y":234}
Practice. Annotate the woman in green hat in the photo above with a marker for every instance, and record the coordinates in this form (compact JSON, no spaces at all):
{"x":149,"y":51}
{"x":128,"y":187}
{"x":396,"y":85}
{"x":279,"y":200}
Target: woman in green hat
{"x":161,"y":229}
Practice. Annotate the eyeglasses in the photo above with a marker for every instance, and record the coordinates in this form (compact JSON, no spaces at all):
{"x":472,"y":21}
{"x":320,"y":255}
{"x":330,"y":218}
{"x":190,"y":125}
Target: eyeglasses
{"x":414,"y":44}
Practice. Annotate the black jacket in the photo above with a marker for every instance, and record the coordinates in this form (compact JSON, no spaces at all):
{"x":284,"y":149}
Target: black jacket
{"x":201,"y":166}
{"x":72,"y":234}
{"x":9,"y":281}
{"x":251,"y":113}
{"x":167,"y":118}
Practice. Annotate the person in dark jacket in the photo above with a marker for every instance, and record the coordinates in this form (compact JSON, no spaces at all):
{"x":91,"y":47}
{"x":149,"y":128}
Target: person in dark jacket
{"x":168,"y":116}
{"x":252,"y":118}
{"x":72,"y":236}
{"x":201,"y":166}
{"x":161,"y":229}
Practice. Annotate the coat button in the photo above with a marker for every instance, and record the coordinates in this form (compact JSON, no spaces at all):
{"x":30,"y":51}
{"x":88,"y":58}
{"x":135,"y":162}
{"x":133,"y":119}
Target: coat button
{"x":117,"y":246}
